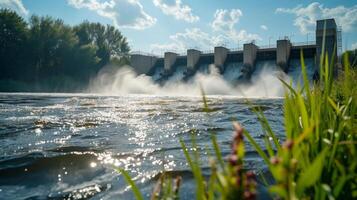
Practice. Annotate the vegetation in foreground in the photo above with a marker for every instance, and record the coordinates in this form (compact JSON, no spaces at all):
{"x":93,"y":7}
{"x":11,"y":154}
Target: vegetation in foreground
{"x":44,"y":54}
{"x":317,"y":160}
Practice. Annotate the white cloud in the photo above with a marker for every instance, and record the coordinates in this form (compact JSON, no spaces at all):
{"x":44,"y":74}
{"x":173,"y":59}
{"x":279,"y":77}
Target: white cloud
{"x":223,"y":33}
{"x":123,"y":13}
{"x":190,"y":38}
{"x":15,"y":5}
{"x":225,"y":20}
{"x":176,"y":9}
{"x":264,"y":27}
{"x":306,"y":16}
{"x":243,"y":36}
{"x":354,"y":46}
{"x":224,"y":23}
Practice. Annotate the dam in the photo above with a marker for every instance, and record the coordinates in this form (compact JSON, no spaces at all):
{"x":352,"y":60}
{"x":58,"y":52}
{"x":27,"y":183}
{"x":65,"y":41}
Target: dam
{"x":240,"y":64}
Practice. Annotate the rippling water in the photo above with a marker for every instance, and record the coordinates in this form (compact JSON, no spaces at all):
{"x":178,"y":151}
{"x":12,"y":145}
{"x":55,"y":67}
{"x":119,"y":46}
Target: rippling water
{"x":65,"y":146}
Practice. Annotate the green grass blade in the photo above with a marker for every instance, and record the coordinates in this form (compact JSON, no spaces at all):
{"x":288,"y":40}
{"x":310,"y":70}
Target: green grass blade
{"x":257,"y":147}
{"x":265,"y":125}
{"x":134,"y":188}
{"x":292,"y":90}
{"x":269,"y":146}
{"x":304,"y":75}
{"x":212,"y":185}
{"x":205,"y":102}
{"x":196,"y":170}
{"x":312,"y":174}
{"x":303,"y":111}
{"x":217,"y":151}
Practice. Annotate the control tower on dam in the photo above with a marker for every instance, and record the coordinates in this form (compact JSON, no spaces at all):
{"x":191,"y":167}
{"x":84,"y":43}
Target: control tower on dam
{"x":284,"y":55}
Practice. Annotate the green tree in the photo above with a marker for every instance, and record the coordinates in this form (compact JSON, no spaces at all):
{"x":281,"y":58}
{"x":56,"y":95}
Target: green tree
{"x":50,"y":42}
{"x":13,"y":36}
{"x":56,"y":51}
{"x":109,"y":41}
{"x":352,"y":56}
{"x":47,"y":55}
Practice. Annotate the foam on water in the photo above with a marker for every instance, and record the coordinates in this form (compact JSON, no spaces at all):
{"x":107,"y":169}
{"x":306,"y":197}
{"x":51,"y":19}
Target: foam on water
{"x":295,"y":70}
{"x":179,"y":74}
{"x":157,"y":73}
{"x":122,"y":81}
{"x":204,"y":69}
{"x":233,"y":71}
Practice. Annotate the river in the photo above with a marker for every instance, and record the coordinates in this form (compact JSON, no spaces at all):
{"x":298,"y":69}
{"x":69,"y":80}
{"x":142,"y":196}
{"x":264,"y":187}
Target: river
{"x":66,"y":146}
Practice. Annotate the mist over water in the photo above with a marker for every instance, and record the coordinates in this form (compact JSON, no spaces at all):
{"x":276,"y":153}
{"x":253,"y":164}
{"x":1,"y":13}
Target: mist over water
{"x":121,"y":81}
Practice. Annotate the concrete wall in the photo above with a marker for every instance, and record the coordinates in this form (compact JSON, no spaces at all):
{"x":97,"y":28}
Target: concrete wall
{"x":220,"y":56}
{"x":251,"y":53}
{"x":329,"y":28}
{"x":142,"y":64}
{"x":193,"y":57}
{"x":309,"y":51}
{"x":169,"y":60}
{"x":249,"y":57}
{"x":283,"y":54}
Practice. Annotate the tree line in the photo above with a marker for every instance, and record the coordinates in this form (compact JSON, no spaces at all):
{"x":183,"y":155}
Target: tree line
{"x":44,"y":54}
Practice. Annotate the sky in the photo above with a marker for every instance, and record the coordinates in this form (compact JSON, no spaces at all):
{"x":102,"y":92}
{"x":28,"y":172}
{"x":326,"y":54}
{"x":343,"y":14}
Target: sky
{"x":156,"y":26}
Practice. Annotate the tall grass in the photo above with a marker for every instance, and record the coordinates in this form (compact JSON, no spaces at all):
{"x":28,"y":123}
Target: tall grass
{"x":318,"y":160}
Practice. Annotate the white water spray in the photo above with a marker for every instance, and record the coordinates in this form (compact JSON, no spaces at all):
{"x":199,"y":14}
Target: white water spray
{"x":123,"y":81}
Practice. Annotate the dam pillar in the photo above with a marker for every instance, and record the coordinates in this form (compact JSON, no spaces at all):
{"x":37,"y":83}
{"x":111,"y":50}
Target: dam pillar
{"x":193,"y":56}
{"x":142,"y":64}
{"x":326,"y":28}
{"x":283,"y":48}
{"x":249,"y":57}
{"x":169,"y":60}
{"x":220,"y":55}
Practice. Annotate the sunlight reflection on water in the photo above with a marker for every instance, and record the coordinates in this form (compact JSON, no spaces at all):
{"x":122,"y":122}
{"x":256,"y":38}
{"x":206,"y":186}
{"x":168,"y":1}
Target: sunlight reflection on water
{"x":68,"y":146}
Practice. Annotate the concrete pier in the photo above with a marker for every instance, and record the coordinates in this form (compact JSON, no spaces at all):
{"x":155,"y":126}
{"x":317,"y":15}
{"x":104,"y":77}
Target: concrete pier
{"x":169,"y":60}
{"x":249,"y":57}
{"x":142,"y":64}
{"x":193,"y":56}
{"x":220,"y":56}
{"x":326,"y":28}
{"x":283,"y":54}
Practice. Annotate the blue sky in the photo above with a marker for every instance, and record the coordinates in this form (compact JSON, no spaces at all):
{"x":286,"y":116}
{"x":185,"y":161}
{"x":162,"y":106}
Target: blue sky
{"x":159,"y":25}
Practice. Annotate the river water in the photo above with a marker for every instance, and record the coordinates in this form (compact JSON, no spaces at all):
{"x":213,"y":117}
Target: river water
{"x":65,"y":146}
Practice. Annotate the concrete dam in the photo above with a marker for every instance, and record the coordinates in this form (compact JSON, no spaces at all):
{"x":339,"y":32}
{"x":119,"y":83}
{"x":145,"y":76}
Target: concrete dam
{"x":241,"y":64}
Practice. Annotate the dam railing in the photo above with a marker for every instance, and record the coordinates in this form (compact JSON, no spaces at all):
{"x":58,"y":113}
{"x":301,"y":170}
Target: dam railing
{"x":233,"y":49}
{"x":306,"y":43}
{"x":146,"y":54}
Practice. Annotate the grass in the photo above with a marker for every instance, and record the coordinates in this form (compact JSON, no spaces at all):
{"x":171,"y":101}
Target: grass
{"x":318,"y":160}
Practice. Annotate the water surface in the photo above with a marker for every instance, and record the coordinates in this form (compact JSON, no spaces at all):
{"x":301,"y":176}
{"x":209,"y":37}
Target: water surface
{"x":65,"y":146}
